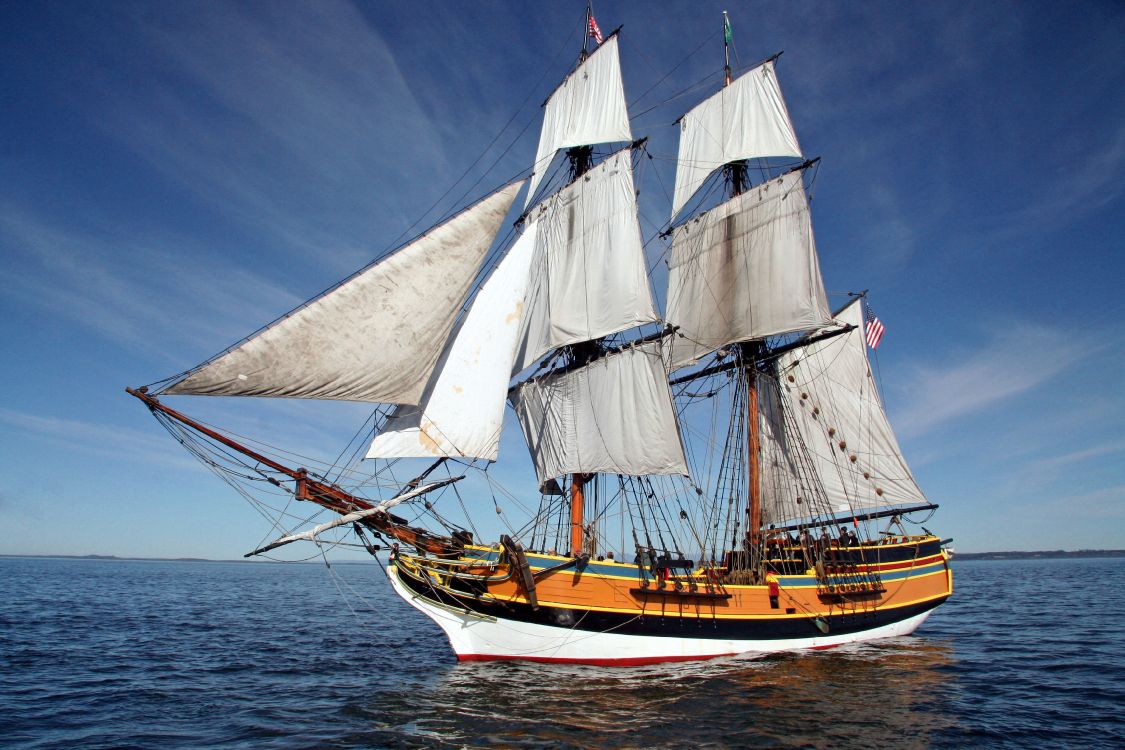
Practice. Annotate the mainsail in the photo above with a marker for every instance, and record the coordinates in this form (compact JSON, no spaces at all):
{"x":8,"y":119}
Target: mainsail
{"x":611,"y":415}
{"x":745,"y":120}
{"x":745,"y":270}
{"x":830,"y":394}
{"x":375,"y":337}
{"x":587,"y":107}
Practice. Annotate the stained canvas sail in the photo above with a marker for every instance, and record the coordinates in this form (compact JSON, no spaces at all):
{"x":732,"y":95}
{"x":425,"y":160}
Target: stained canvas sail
{"x":588,"y":107}
{"x":745,"y":120}
{"x":376,"y":336}
{"x":463,"y":408}
{"x":842,"y":416}
{"x":745,"y":270}
{"x":613,"y":415}
{"x":588,"y":275}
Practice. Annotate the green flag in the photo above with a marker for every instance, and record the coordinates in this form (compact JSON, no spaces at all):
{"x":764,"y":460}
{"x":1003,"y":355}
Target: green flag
{"x":726,"y":29}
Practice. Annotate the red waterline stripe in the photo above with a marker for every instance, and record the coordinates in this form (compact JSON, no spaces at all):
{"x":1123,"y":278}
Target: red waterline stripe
{"x":635,"y":661}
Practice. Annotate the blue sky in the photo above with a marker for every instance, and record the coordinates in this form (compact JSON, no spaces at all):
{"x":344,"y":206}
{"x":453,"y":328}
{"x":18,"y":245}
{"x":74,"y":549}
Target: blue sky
{"x":175,"y":175}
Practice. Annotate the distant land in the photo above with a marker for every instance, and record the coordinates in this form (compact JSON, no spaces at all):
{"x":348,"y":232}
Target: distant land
{"x":1047,"y":554}
{"x":182,"y":559}
{"x":1042,"y":555}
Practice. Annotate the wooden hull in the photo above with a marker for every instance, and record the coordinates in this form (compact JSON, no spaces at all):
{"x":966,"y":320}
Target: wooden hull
{"x":620,"y":614}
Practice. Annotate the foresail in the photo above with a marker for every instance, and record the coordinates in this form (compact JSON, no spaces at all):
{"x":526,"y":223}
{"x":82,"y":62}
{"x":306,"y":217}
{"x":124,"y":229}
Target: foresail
{"x":840,"y":418}
{"x":745,"y":270}
{"x":613,"y":415}
{"x":588,"y":276}
{"x":462,"y":409}
{"x":745,"y":120}
{"x":588,"y":107}
{"x":375,"y":337}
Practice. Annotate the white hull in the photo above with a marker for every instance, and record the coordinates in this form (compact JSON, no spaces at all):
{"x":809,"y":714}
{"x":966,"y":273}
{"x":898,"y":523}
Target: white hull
{"x":478,"y":638}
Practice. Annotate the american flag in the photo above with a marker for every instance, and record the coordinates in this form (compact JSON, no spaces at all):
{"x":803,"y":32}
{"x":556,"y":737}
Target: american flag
{"x":875,"y":330}
{"x":594,"y":30}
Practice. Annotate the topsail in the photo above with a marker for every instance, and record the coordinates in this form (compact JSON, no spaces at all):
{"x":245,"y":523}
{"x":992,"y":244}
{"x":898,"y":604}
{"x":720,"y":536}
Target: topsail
{"x":745,"y":270}
{"x":588,"y":275}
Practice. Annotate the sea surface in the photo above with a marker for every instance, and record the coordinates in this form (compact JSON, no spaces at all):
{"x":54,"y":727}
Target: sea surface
{"x":139,"y":654}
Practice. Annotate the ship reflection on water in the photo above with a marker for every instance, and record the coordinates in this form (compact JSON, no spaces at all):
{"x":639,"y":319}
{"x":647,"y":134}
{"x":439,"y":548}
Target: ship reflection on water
{"x":876,"y":694}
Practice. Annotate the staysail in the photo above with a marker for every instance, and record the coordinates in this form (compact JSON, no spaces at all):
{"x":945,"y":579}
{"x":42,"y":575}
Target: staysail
{"x":613,"y":415}
{"x":745,"y":270}
{"x":745,"y":120}
{"x":835,"y":405}
{"x":588,"y":276}
{"x":588,"y":107}
{"x":462,"y":409}
{"x":375,"y":337}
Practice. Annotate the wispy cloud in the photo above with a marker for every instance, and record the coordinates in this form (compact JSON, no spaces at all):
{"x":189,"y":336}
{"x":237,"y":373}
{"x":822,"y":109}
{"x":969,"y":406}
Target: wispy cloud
{"x":286,"y":122}
{"x":133,"y":289}
{"x":1019,"y":359}
{"x":91,"y":438}
{"x":1082,"y":456}
{"x":1091,"y":184}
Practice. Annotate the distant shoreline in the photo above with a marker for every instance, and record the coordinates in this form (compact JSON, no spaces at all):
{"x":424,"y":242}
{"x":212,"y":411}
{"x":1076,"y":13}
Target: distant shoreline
{"x":115,"y":558}
{"x":1041,"y":555}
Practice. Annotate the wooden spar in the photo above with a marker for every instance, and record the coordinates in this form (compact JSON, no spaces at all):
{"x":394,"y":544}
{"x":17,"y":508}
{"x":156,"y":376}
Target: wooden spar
{"x":322,"y":493}
{"x":855,"y":517}
{"x":577,"y":509}
{"x":753,"y":441}
{"x":771,"y":354}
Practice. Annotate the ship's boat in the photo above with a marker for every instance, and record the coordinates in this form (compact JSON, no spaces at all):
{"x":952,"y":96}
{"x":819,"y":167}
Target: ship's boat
{"x":717,"y":478}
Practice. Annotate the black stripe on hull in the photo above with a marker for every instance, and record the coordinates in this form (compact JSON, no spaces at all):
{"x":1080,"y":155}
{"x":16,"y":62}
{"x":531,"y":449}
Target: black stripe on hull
{"x":653,"y":623}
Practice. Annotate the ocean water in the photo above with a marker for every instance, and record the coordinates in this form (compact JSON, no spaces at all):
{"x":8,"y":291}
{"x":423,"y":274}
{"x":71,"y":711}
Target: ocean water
{"x":136,"y":654}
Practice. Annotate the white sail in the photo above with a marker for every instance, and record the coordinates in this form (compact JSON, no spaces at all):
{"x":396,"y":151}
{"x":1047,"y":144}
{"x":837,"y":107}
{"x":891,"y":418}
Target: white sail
{"x":588,"y":107}
{"x":376,"y":336}
{"x":839,"y":415}
{"x":745,"y":270}
{"x":613,"y":415}
{"x":462,"y":409}
{"x":745,"y":120}
{"x":588,"y":276}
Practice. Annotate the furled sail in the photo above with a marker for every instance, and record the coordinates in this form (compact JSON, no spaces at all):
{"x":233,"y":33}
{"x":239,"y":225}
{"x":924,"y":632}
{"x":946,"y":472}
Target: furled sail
{"x":588,"y":275}
{"x":840,"y":419}
{"x":462,"y":409}
{"x":613,"y":415}
{"x":375,"y":337}
{"x":745,"y":120}
{"x":745,"y":270}
{"x":588,"y":107}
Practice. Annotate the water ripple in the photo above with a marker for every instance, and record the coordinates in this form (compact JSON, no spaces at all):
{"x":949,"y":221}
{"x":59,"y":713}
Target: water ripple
{"x":99,"y":654}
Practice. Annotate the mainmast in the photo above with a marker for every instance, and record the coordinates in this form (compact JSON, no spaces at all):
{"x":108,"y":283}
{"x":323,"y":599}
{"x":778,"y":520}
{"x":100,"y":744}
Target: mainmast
{"x":750,"y":351}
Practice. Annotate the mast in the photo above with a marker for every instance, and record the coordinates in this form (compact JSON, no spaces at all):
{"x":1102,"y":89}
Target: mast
{"x":736,"y":171}
{"x":750,"y":352}
{"x":577,"y":512}
{"x":581,"y":159}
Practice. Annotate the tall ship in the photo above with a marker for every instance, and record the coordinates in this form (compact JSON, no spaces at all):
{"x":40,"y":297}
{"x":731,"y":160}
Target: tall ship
{"x":716,"y":478}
